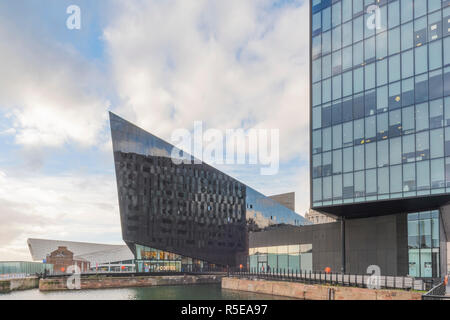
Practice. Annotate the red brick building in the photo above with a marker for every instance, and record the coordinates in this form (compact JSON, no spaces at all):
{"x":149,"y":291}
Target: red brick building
{"x":62,"y":258}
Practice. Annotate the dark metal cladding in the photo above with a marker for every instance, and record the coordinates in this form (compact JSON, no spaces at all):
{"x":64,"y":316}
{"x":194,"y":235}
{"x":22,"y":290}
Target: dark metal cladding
{"x":189,"y":209}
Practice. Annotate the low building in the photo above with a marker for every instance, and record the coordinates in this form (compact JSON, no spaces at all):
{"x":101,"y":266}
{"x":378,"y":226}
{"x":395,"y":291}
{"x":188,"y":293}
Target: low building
{"x":62,"y":259}
{"x":318,"y":218}
{"x":101,"y":257}
{"x":13,"y":269}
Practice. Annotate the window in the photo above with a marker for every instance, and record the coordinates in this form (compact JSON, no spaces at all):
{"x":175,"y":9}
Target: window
{"x":408,"y":120}
{"x":348,"y":159}
{"x":420,"y":31}
{"x":394,"y":68}
{"x":317,"y":141}
{"x":371,"y":155}
{"x":336,"y":16}
{"x":337,"y":87}
{"x":337,"y":187}
{"x":436,"y":84}
{"x":407,"y":10}
{"x":337,"y":162}
{"x":394,"y":41}
{"x":394,"y":14}
{"x":420,"y":8}
{"x":359,"y":158}
{"x":326,"y":91}
{"x":396,"y":179}
{"x":337,"y":41}
{"x":423,"y":175}
{"x":395,"y":123}
{"x":337,"y":63}
{"x":381,"y":46}
{"x":395,"y":151}
{"x":348,"y":186}
{"x":421,"y":59}
{"x":437,"y":143}
{"x":337,"y":137}
{"x":421,"y":86}
{"x":358,"y":52}
{"x":347,"y":58}
{"x":370,"y":129}
{"x":347,"y":85}
{"x":422,"y":122}
{"x":422,"y":146}
{"x":348,"y":134}
{"x":369,"y":50}
{"x":382,"y":126}
{"x":382,"y":72}
{"x":360,"y":188}
{"x":358,"y":132}
{"x":407,"y":64}
{"x":395,"y":100}
{"x":408,"y":94}
{"x":382,"y":99}
{"x":371,"y":182}
{"x":326,"y":139}
{"x":435,"y":56}
{"x":383,"y":181}
{"x":436,"y":114}
{"x":437,"y":174}
{"x":409,"y":148}
{"x":409,"y":177}
{"x":407,"y":38}
{"x":383,"y":153}
{"x":358,"y":27}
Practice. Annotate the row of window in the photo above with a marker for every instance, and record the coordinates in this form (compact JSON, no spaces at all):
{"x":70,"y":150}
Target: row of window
{"x":399,"y":37}
{"x":327,"y":13}
{"x":411,"y":148}
{"x":384,"y":126}
{"x":410,"y":179}
{"x":369,"y":84}
{"x":416,"y":90}
{"x":350,"y":60}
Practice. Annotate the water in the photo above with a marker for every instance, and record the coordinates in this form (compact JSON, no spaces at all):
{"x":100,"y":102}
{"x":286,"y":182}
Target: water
{"x":196,"y":292}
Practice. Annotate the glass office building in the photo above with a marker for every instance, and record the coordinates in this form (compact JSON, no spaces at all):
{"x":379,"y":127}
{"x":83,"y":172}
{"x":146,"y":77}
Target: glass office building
{"x":380,"y":115}
{"x":423,"y":244}
{"x":380,"y":100}
{"x":282,"y":259}
{"x":182,"y":215}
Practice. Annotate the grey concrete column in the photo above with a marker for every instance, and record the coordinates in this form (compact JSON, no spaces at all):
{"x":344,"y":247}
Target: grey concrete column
{"x":343,"y":245}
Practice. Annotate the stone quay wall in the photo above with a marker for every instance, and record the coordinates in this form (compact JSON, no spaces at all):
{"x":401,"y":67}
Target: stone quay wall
{"x":10,"y":285}
{"x":103,"y":282}
{"x":316,"y":292}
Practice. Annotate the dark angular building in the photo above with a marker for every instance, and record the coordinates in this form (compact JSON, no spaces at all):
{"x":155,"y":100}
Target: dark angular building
{"x":182,"y":216}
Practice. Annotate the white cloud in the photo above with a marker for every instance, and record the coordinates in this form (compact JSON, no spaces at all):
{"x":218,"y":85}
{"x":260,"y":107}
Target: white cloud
{"x":51,"y":92}
{"x":223,"y":62}
{"x":68,"y":207}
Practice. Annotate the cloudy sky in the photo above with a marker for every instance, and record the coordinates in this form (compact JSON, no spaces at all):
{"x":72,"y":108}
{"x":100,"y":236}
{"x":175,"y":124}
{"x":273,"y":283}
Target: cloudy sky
{"x":160,"y":64}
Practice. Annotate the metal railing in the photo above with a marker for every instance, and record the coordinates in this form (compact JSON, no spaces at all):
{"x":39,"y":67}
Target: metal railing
{"x":350,"y":280}
{"x":437,"y":293}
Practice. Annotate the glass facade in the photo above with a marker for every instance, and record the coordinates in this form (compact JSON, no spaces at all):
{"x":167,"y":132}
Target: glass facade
{"x":281,"y":259}
{"x":188,"y":208}
{"x":423,"y":244}
{"x":154,"y":260}
{"x":380,"y":100}
{"x":23,"y":268}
